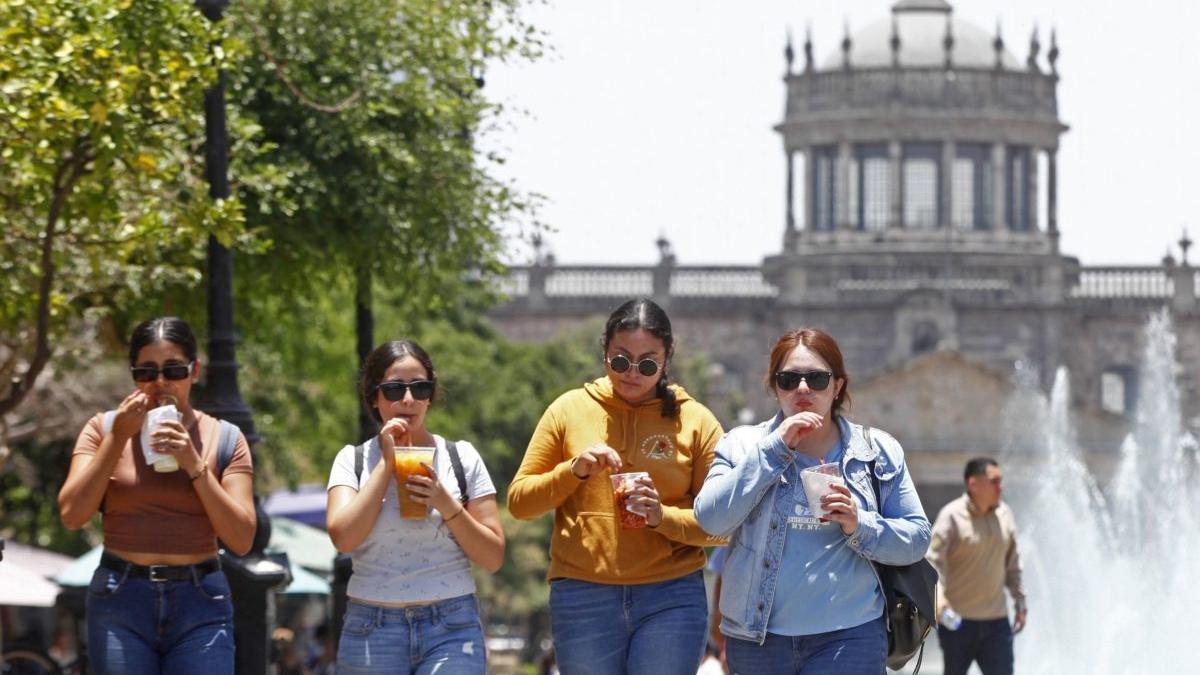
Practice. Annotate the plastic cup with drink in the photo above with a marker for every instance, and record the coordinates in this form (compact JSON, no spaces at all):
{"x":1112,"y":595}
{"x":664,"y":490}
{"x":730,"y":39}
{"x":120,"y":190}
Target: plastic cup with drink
{"x":623,"y":484}
{"x":165,"y":410}
{"x":818,"y":481}
{"x":410,"y":461}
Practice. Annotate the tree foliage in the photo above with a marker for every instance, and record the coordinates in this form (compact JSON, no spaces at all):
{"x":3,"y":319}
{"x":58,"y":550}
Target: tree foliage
{"x":370,"y":108}
{"x":101,"y":192}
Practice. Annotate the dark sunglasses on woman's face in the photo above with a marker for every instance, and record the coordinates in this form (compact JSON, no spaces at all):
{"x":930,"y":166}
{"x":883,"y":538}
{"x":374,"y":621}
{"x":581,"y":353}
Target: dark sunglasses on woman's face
{"x":621,"y":363}
{"x":171,"y":371}
{"x":817,"y":380}
{"x":422,"y":390}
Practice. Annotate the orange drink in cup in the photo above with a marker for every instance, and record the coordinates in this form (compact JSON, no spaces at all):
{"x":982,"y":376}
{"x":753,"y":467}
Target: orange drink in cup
{"x":409,"y":463}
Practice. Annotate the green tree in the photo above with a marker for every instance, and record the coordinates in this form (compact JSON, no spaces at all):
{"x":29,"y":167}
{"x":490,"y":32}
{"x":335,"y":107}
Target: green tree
{"x":101,"y":194}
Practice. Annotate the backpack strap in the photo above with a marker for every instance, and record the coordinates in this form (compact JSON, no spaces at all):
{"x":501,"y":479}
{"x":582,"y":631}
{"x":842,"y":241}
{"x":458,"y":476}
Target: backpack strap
{"x":874,"y":478}
{"x":459,"y":474}
{"x":226,"y":446}
{"x":359,"y":452}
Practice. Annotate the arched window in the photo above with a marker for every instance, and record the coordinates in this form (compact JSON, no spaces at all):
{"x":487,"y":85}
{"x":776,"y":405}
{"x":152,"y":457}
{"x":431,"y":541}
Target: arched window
{"x":871,"y":207}
{"x":824,"y":186}
{"x":921,"y":178}
{"x":972,"y":187}
{"x":1018,"y":188}
{"x":1118,"y":389}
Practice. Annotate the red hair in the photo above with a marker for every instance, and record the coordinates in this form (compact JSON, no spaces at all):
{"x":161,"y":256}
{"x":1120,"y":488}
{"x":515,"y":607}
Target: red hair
{"x":820,"y":343}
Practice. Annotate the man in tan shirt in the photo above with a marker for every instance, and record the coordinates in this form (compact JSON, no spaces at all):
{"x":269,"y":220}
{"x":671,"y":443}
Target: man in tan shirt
{"x":974,"y":549}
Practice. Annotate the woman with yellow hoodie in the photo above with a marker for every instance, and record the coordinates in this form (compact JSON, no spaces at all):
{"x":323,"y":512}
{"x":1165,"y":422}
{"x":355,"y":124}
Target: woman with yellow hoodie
{"x":624,"y":598}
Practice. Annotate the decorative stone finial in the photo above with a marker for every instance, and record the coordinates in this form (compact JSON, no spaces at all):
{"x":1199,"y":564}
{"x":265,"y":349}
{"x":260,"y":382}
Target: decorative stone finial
{"x":895,"y":42}
{"x":1052,"y":55}
{"x":1184,"y":244}
{"x":664,"y":248}
{"x":789,"y":54}
{"x":1168,"y":260}
{"x":948,"y":43}
{"x":846,"y":44}
{"x":808,"y":49}
{"x":1034,"y":48}
{"x":998,"y":46}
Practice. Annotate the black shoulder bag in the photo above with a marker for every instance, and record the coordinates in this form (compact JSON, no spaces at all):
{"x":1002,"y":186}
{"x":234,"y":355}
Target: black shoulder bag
{"x":909,"y":593}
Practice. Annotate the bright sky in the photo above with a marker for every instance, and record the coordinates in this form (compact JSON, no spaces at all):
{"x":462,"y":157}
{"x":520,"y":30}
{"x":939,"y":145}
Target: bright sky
{"x":656,"y":116}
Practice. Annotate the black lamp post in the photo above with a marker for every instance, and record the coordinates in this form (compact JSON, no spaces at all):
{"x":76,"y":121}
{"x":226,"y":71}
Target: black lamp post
{"x":252,"y":577}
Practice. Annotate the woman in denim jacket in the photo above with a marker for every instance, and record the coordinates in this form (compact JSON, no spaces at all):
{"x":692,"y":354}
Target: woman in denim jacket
{"x":800,"y":593}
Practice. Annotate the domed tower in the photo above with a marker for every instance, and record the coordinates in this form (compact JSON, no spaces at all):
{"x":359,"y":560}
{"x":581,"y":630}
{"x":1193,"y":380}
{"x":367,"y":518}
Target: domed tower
{"x":916,"y":147}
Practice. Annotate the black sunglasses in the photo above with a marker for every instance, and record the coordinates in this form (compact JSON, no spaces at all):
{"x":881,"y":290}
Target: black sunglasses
{"x":171,"y":371}
{"x":422,"y":390}
{"x":621,"y":363}
{"x":818,"y":380}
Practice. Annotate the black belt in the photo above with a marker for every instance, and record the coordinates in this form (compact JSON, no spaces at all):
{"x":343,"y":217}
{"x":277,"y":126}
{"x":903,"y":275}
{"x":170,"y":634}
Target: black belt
{"x":160,"y":572}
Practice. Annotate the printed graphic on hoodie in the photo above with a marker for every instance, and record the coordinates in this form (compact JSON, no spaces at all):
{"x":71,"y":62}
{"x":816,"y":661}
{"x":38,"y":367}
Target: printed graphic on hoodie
{"x":658,"y":446}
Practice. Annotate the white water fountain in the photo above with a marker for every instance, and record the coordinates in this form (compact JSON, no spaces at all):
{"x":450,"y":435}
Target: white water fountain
{"x":1112,"y":572}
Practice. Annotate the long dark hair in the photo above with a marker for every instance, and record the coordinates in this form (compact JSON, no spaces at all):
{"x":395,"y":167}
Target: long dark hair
{"x":646,"y":314}
{"x":381,"y":359}
{"x":162,"y":329}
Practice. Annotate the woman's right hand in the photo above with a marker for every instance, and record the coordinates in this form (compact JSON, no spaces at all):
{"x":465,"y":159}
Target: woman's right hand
{"x":394,"y":433}
{"x":594,"y":460}
{"x":795,"y":428}
{"x":130,"y":414}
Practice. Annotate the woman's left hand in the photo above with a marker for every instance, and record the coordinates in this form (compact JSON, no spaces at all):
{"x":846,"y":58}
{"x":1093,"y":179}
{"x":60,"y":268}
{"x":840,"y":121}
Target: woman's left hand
{"x":171,"y":438}
{"x":431,"y":492}
{"x":644,"y":498}
{"x":841,"y":508}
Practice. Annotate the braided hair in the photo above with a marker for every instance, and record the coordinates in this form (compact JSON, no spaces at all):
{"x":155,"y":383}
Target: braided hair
{"x":646,"y":314}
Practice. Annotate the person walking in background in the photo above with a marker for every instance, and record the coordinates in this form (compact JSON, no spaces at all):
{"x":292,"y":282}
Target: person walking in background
{"x":626,"y":582}
{"x":411,"y":600}
{"x":159,"y":601}
{"x":974,"y":550}
{"x":799,"y":593}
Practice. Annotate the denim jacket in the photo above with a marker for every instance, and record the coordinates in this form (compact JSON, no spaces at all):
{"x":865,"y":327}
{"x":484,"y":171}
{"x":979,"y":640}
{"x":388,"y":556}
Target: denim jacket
{"x":740,"y":500}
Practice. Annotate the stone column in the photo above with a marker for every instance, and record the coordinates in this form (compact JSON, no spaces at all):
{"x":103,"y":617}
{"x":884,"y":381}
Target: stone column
{"x":1032,"y":189}
{"x":947,"y":184}
{"x":1052,"y":191}
{"x":1184,"y":299}
{"x":845,"y":219}
{"x":790,"y":223}
{"x":810,"y":204}
{"x":895,"y":164}
{"x":999,"y":194}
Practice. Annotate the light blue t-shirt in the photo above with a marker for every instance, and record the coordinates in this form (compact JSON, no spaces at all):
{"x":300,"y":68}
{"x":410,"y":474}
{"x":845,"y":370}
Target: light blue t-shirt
{"x":824,"y":585}
{"x":411,"y":560}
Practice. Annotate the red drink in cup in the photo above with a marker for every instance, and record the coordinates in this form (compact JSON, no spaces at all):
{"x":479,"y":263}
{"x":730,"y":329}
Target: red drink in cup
{"x":623,"y":484}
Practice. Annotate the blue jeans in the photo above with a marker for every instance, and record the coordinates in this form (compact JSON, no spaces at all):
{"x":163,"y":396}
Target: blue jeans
{"x":861,"y":650}
{"x":989,"y":642}
{"x":443,"y":637}
{"x":141,"y":627}
{"x":607,"y":629}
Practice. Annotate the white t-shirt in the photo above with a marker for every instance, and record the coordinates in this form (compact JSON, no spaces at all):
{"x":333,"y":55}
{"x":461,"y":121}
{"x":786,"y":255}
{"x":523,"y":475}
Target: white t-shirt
{"x":411,"y":560}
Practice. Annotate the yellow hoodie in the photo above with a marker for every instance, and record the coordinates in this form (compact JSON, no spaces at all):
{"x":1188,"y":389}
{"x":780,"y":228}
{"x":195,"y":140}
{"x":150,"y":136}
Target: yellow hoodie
{"x":588,"y":542}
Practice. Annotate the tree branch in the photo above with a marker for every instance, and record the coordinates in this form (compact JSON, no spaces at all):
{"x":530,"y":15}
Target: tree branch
{"x":65,"y":177}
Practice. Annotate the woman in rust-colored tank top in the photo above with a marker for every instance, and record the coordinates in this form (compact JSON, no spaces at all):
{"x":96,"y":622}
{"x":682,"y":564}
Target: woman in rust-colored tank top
{"x":159,"y":602}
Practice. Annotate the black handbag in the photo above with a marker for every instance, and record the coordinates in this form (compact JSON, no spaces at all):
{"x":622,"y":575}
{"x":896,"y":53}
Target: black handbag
{"x":909,"y":595}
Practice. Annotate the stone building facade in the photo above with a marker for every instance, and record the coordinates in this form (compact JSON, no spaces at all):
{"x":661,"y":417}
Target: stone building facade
{"x":921,"y":147}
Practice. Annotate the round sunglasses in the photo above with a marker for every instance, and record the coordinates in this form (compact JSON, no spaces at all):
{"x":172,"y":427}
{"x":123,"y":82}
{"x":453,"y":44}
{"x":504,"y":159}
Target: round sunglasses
{"x":621,"y":363}
{"x":422,"y":390}
{"x":171,"y":371}
{"x":817,"y":380}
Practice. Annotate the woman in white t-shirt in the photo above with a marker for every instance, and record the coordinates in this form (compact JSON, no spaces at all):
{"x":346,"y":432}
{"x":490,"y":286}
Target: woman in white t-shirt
{"x":412,"y":605}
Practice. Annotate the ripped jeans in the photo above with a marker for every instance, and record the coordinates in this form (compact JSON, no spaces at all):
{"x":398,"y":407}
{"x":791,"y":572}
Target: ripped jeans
{"x":443,"y":637}
{"x":141,"y":627}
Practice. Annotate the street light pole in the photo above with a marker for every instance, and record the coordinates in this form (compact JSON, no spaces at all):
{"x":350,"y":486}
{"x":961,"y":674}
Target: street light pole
{"x":253,"y":577}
